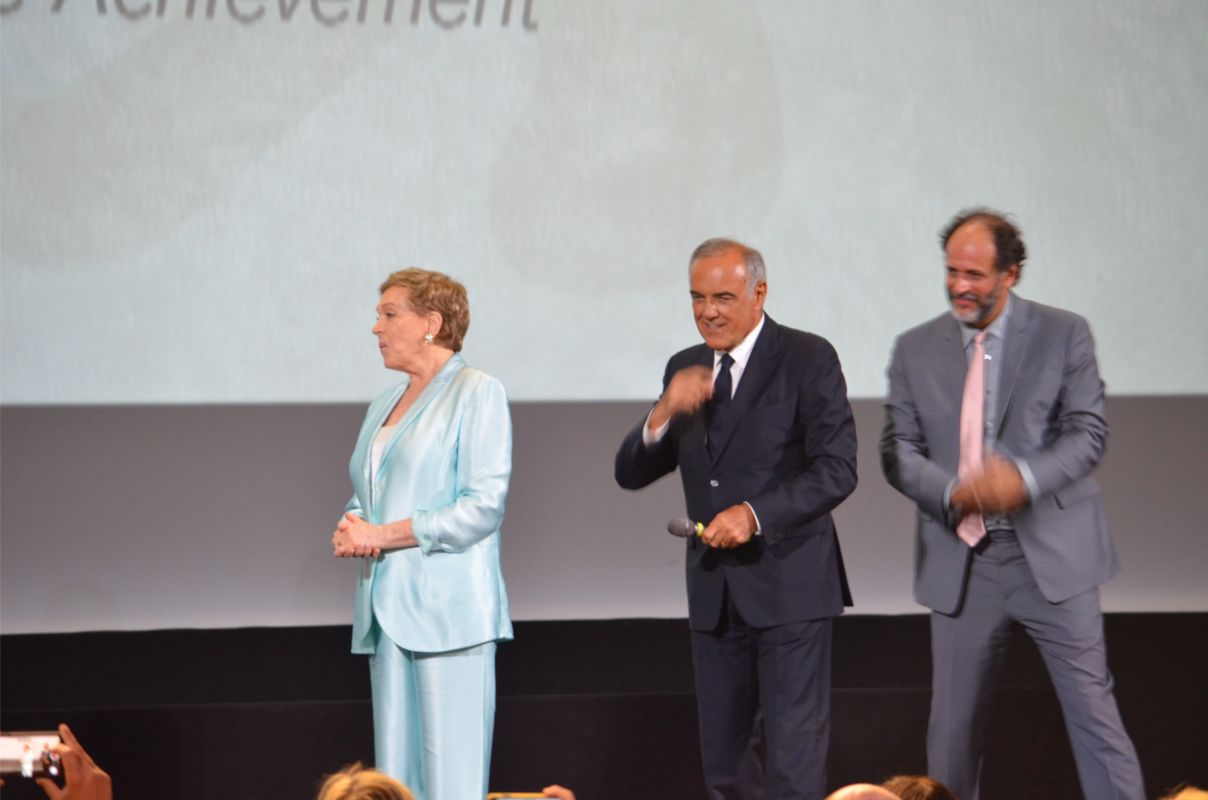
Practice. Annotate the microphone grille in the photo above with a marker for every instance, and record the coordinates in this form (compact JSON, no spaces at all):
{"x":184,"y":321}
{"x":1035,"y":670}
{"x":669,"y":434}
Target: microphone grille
{"x":681,"y":527}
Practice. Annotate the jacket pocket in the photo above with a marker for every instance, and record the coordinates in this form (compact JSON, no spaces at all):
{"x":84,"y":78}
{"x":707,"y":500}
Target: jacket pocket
{"x":1076,"y":492}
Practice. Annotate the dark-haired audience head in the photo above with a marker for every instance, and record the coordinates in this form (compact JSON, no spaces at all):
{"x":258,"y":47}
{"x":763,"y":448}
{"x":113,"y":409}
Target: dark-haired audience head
{"x":1008,"y":239}
{"x":356,"y":782}
{"x":918,"y":787}
{"x":862,"y":791}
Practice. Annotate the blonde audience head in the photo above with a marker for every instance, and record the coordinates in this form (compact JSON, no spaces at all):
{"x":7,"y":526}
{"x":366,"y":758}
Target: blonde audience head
{"x":356,"y":782}
{"x":1186,"y":792}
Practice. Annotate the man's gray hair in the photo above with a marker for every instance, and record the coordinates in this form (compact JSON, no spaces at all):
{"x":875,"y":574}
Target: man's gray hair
{"x":752,"y":258}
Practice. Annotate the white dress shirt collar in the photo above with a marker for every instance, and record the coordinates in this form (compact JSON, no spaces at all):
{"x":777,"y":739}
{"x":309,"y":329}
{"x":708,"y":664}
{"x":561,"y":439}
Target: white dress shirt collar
{"x":741,"y":355}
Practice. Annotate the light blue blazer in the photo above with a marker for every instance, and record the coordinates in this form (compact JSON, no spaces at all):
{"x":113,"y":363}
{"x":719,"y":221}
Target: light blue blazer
{"x":446,"y":468}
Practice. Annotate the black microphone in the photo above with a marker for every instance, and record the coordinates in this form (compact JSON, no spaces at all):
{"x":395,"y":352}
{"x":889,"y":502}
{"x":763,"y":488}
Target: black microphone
{"x":684,"y":528}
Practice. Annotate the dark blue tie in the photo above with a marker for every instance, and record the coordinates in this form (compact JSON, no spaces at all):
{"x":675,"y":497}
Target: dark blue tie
{"x":719,"y":405}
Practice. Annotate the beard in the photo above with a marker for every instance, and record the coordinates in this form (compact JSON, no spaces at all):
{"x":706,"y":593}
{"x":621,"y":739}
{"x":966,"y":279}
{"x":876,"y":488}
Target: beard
{"x":980,"y":312}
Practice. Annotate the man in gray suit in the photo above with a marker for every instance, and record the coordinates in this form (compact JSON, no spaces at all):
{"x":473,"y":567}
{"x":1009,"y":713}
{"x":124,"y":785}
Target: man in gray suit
{"x":1010,"y":526}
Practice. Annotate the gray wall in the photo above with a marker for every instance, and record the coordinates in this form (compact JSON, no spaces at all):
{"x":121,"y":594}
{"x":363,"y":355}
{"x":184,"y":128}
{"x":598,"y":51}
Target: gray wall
{"x":141,"y":517}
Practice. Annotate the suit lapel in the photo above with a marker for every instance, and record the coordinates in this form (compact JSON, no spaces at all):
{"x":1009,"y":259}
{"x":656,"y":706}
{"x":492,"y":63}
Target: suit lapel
{"x":365,"y":447}
{"x":438,"y":384}
{"x":1015,"y":347}
{"x":951,"y":363}
{"x":431,"y":391}
{"x":759,"y":368}
{"x":697,"y":429}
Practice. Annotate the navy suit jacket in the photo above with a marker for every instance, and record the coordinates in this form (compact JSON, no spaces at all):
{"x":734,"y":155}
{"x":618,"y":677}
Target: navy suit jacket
{"x":788,"y":449}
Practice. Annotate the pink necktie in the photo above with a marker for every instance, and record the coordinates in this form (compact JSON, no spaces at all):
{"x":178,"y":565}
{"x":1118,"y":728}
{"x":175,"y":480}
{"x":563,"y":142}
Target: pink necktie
{"x":972,"y":527}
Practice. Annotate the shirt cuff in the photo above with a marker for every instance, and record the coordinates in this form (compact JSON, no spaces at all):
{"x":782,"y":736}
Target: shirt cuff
{"x":425,"y":539}
{"x":758,"y":527}
{"x":1029,"y":479}
{"x":650,"y":439}
{"x":946,"y":501}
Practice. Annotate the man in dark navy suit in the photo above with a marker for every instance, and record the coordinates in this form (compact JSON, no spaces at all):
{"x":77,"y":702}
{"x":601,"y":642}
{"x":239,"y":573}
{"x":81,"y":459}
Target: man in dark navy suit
{"x":758,"y":423}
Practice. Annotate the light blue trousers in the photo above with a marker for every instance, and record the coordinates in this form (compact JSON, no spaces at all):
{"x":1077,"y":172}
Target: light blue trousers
{"x":433,"y":717}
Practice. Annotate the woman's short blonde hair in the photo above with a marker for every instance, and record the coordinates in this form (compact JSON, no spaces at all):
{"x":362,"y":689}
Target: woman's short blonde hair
{"x":355,"y":782}
{"x":431,"y":291}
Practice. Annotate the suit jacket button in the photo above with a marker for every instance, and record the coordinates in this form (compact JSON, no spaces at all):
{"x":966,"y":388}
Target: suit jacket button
{"x":713,"y":483}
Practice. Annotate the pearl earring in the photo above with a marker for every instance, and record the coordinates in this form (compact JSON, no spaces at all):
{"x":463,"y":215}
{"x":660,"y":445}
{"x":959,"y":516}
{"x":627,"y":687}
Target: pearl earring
{"x":428,"y":338}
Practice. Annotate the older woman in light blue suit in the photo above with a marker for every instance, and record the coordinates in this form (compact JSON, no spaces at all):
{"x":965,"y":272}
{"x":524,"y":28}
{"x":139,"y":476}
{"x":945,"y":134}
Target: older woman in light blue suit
{"x":430,"y":475}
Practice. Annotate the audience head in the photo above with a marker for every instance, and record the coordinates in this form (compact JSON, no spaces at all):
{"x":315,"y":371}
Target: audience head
{"x":355,"y":782}
{"x":862,"y":791}
{"x":918,"y":787}
{"x":1186,"y":792}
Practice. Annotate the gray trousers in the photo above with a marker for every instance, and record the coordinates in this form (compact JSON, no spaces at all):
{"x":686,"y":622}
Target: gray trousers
{"x":967,"y":651}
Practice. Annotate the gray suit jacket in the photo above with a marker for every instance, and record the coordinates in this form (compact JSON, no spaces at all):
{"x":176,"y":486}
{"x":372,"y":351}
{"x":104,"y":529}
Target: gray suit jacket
{"x":1050,"y":415}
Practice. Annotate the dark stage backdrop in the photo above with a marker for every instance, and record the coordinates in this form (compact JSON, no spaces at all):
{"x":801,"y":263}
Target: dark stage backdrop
{"x":605,"y":707}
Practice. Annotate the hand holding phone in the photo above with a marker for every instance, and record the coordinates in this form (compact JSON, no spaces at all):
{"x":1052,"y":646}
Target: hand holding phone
{"x":30,"y":754}
{"x":83,"y":779}
{"x":57,"y":761}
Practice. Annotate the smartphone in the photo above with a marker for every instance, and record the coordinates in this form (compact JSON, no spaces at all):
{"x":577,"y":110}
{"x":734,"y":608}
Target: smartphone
{"x":30,"y":754}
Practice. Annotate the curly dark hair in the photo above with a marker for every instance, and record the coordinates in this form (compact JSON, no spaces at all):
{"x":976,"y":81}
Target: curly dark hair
{"x":1009,"y":249}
